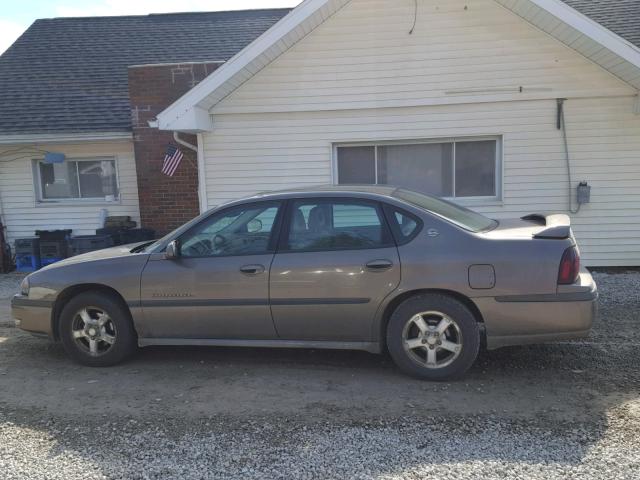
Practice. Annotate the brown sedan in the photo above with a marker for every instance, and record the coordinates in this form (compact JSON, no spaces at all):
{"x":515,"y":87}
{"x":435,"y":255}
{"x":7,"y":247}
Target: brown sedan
{"x":370,"y":268}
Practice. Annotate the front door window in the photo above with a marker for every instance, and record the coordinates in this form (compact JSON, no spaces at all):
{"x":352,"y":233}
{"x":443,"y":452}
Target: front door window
{"x":245,"y":230}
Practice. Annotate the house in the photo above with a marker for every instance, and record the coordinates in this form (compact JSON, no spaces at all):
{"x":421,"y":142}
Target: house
{"x":505,"y":106}
{"x":471,"y":100}
{"x":81,"y":87}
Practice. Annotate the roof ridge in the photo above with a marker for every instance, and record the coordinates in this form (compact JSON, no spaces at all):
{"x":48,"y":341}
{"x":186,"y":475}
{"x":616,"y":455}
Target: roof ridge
{"x":151,"y":15}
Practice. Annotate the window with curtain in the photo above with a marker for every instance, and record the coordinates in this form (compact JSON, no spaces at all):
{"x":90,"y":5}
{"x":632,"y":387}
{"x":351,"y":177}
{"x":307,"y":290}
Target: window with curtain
{"x":456,"y":168}
{"x":77,"y":179}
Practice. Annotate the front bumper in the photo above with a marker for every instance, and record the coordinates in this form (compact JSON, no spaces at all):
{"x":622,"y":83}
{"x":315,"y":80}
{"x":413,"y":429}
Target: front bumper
{"x":525,"y":319}
{"x":33,"y":316}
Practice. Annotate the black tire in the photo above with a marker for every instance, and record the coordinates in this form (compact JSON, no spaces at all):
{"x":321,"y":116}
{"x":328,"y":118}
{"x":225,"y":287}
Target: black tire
{"x":467,"y":329}
{"x":125,"y":343}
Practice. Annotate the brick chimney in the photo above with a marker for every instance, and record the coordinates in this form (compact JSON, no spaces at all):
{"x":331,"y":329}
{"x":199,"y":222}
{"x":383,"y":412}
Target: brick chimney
{"x":165,"y":202}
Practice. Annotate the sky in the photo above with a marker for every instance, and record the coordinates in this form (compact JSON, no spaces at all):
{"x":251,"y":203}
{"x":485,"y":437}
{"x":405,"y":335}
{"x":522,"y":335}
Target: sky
{"x":16,"y":16}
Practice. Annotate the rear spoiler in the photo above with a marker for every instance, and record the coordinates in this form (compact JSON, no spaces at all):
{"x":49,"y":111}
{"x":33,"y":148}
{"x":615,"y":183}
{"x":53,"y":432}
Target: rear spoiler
{"x":557,"y":226}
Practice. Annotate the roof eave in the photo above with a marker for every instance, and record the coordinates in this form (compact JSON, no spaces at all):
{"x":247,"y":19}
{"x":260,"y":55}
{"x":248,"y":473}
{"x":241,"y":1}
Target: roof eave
{"x":280,"y":37}
{"x":63,"y":137}
{"x":584,"y":35}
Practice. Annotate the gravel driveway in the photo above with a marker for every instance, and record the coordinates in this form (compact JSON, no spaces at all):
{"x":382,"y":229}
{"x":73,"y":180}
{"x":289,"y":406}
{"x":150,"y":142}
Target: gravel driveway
{"x":568,"y":410}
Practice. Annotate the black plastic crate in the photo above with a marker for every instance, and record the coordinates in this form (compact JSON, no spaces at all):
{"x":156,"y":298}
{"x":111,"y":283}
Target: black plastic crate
{"x":119,"y":222}
{"x":90,"y":243}
{"x":53,"y":250}
{"x":28,"y":246}
{"x":114,"y":232}
{"x":137,"y":235}
{"x":53,"y":235}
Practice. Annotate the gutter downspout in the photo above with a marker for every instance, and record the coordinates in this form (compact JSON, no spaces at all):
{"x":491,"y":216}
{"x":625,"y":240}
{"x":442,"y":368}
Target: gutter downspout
{"x":190,"y":146}
{"x":2,"y":214}
{"x":202,"y":176}
{"x":562,"y":126}
{"x":202,"y":186}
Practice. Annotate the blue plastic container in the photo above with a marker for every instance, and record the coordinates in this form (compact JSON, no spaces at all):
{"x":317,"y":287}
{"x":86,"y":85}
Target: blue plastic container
{"x":27,"y":263}
{"x":49,"y":260}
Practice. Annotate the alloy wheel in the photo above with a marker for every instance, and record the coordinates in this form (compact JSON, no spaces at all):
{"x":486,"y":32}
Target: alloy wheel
{"x":93,"y":331}
{"x":432,"y":339}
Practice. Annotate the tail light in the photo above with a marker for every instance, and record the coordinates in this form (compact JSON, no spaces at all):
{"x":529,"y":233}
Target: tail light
{"x":569,"y":267}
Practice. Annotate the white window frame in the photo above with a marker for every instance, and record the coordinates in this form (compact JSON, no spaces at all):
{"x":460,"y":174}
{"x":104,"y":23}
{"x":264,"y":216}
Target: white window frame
{"x":483,"y":200}
{"x":37,"y":182}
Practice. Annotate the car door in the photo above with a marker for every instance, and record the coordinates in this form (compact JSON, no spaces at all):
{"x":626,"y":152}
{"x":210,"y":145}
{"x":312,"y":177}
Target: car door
{"x":335,"y":264}
{"x":218,"y":286}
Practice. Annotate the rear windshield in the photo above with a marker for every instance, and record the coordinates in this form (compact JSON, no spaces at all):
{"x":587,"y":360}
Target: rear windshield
{"x":463,"y":217}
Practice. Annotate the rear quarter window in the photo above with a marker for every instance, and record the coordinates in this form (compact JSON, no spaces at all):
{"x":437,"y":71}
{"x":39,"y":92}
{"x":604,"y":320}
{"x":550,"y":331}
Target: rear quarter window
{"x":405,"y":226}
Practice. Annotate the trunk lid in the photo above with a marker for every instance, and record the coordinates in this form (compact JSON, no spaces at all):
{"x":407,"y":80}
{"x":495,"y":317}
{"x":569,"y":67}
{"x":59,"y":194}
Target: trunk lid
{"x":554,"y":227}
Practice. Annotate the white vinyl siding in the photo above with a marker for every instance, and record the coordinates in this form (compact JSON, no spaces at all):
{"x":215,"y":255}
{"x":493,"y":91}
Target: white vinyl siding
{"x":460,"y":51}
{"x":247,"y":154}
{"x":23,"y":213}
{"x":361,"y":78}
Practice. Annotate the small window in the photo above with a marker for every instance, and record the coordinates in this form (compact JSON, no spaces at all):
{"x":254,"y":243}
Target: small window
{"x":457,"y":168}
{"x":476,"y":169}
{"x":336,"y":225}
{"x":77,"y":179}
{"x":244,"y":230}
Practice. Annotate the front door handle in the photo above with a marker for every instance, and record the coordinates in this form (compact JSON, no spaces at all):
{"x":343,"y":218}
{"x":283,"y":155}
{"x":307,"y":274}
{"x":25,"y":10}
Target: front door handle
{"x":252,"y":269}
{"x":379,"y":265}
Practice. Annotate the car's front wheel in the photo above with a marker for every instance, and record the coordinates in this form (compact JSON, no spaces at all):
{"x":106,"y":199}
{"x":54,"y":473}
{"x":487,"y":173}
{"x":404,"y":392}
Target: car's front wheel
{"x":433,"y":337}
{"x":96,"y":330}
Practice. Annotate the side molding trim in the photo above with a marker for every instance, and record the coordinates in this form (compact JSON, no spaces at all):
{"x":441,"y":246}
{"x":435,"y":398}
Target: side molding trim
{"x":553,"y":297}
{"x":248,"y":302}
{"x":372,"y":347}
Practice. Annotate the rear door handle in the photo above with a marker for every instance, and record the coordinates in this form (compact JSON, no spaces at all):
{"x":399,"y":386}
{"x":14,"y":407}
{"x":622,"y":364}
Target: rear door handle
{"x":379,"y":265}
{"x":252,"y":269}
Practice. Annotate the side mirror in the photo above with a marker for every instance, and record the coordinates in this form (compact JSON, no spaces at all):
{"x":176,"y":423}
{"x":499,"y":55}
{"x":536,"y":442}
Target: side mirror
{"x":172,"y":252}
{"x":254,"y":226}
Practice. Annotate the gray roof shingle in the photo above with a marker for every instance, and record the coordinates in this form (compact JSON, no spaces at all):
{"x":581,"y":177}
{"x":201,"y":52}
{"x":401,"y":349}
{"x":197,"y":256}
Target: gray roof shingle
{"x":70,"y":74}
{"x":620,"y":16}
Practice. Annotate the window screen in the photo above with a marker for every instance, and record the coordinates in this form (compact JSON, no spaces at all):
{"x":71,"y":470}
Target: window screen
{"x":426,"y":167}
{"x":476,"y":169}
{"x":357,"y":165}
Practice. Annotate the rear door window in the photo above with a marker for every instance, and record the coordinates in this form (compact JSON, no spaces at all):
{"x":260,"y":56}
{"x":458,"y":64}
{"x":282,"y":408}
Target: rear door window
{"x":345,"y":224}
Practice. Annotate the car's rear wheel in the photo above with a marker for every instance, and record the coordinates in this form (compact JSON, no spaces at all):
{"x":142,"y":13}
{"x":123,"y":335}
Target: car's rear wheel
{"x":433,"y":337}
{"x":96,"y":330}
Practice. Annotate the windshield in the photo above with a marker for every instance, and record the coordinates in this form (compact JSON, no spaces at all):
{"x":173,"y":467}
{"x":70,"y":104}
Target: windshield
{"x":460,"y":216}
{"x":153,"y":247}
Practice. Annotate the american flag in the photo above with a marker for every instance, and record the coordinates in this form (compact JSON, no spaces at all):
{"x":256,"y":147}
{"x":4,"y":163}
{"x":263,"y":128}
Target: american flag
{"x":172,"y":160}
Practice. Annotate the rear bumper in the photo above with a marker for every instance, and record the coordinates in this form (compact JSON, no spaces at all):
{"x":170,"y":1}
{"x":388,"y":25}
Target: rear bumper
{"x":525,"y":319}
{"x":33,"y":316}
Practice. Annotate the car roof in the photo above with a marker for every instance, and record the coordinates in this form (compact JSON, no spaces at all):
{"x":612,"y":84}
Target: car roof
{"x":329,"y":190}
